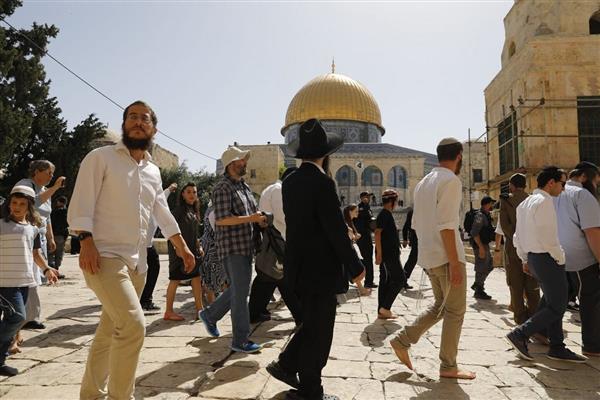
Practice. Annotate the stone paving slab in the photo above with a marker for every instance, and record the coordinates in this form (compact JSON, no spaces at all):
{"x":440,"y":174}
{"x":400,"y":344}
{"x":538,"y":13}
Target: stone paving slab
{"x":180,"y":361}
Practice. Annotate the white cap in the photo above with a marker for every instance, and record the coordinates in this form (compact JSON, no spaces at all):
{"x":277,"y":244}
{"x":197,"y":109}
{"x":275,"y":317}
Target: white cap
{"x":447,"y":141}
{"x":26,"y":190}
{"x":233,"y":154}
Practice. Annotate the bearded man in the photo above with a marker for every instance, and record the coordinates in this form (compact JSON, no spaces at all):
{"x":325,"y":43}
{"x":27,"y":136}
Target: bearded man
{"x":118,"y":188}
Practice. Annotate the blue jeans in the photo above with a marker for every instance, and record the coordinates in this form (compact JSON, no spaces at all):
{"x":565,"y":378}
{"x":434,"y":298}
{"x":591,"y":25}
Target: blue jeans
{"x":13,"y":298}
{"x":549,"y":315}
{"x":235,"y":297}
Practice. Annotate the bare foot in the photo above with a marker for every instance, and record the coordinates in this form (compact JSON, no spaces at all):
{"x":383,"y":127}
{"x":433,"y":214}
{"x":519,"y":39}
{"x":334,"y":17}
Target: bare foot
{"x":385,"y":314}
{"x":19,"y":338}
{"x":458,"y":374}
{"x":173,"y":316}
{"x":364,"y":292}
{"x":14,"y":349}
{"x":401,"y":353}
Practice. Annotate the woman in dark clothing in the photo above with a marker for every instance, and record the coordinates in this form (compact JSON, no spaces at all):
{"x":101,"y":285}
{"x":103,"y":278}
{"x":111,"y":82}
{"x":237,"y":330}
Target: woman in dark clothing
{"x":188,"y":217}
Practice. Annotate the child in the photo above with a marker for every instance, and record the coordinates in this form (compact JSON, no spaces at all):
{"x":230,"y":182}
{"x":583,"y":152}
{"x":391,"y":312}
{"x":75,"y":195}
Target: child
{"x":188,"y":218}
{"x":351,"y":213}
{"x":19,"y":249}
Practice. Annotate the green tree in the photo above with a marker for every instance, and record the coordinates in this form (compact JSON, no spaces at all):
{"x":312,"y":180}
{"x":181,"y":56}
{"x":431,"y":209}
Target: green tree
{"x":181,"y":175}
{"x":30,"y":123}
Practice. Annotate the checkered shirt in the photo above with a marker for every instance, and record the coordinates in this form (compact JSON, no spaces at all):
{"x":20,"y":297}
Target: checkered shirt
{"x":234,"y":198}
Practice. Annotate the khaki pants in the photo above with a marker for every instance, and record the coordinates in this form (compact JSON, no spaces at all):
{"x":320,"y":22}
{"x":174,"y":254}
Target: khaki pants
{"x":452,"y":312}
{"x":521,"y":286}
{"x":120,"y":334}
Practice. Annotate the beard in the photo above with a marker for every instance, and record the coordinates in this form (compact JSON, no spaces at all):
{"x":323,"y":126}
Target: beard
{"x":458,"y":167}
{"x":134,"y":143}
{"x":241,"y":171}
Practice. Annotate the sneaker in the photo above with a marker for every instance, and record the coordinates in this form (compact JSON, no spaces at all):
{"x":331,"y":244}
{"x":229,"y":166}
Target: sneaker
{"x":481,"y":295}
{"x":150,"y":307}
{"x":573,"y":306}
{"x":519,"y":344}
{"x":210,"y":327}
{"x":5,"y":370}
{"x":34,"y":325}
{"x":61,"y":276}
{"x":565,"y":354}
{"x":277,"y":372}
{"x":248,"y":347}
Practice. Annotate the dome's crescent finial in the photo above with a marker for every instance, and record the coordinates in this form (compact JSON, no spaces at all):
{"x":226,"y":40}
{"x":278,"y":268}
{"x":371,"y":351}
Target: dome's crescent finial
{"x":333,"y":65}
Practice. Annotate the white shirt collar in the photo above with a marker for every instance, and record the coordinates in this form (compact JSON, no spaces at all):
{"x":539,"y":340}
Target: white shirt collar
{"x":572,"y":182}
{"x":315,"y":164}
{"x":542,"y":192}
{"x":120,"y":146}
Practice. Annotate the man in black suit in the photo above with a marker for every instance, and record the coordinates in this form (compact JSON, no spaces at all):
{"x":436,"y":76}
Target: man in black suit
{"x":319,"y":260}
{"x":365,"y":243}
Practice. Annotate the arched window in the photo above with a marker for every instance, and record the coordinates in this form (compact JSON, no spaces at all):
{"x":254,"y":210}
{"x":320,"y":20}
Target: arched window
{"x":595,"y":23}
{"x":512,"y":49}
{"x":346,"y":176}
{"x":372,"y":176}
{"x":397,"y":177}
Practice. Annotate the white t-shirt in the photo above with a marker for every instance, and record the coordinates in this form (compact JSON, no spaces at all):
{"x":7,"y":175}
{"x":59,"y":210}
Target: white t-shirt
{"x":437,"y":202}
{"x":17,"y":242}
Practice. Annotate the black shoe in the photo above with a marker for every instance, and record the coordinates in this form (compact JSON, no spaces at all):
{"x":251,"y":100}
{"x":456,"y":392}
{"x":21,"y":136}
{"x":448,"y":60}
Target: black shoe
{"x":61,"y":276}
{"x":474,"y":286}
{"x":407,"y":287}
{"x":34,"y":325}
{"x":371,"y":286}
{"x":565,"y":354}
{"x":482,"y":295}
{"x":519,"y":344}
{"x":275,"y":370}
{"x":150,"y":307}
{"x":295,"y":395}
{"x":260,"y":318}
{"x":5,"y":370}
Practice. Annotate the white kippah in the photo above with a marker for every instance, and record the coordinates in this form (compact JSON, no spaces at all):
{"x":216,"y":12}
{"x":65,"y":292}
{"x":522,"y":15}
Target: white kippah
{"x":447,"y":141}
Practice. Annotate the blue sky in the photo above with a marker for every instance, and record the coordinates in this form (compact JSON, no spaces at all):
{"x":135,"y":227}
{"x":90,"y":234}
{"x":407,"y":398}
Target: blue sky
{"x":219,"y":72}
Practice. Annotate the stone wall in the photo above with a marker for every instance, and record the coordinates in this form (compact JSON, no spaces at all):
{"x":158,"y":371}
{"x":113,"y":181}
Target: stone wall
{"x":476,"y":158}
{"x":557,"y":64}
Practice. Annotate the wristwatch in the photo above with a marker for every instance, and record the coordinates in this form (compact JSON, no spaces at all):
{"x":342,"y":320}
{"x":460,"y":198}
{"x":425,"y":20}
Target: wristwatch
{"x":84,"y":235}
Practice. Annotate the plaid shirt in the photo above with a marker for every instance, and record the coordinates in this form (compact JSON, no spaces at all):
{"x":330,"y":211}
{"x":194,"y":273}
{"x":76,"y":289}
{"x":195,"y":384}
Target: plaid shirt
{"x":234,"y":198}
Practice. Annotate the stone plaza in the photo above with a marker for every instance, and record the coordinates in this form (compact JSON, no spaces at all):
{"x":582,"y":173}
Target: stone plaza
{"x":180,"y":361}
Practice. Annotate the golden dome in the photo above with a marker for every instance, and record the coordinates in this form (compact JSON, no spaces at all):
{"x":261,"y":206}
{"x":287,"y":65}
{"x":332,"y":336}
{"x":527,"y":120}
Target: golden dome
{"x":333,"y":97}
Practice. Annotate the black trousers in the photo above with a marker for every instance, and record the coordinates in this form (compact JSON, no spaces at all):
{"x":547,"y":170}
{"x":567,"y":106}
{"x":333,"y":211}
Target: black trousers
{"x":589,"y":308}
{"x":573,"y":282}
{"x":391,"y":281}
{"x":261,"y":292}
{"x":366,"y":250}
{"x":309,"y":348}
{"x":412,"y":258}
{"x":152,"y":276}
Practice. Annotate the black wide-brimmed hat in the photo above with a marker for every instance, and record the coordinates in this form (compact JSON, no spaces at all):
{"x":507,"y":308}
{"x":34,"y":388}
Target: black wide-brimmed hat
{"x":314,"y":142}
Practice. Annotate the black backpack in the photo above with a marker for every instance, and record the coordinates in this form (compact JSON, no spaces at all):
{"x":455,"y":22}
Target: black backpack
{"x":469,"y":218}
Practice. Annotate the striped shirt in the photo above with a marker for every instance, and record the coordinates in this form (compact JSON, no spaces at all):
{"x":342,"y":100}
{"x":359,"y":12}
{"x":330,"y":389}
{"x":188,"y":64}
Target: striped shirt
{"x":234,"y":198}
{"x":17,"y":242}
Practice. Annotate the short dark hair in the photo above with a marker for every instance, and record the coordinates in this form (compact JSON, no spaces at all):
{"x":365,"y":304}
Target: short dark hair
{"x":518,"y":180}
{"x":449,"y":152}
{"x":549,"y":173}
{"x":141,"y":103}
{"x":62,"y":199}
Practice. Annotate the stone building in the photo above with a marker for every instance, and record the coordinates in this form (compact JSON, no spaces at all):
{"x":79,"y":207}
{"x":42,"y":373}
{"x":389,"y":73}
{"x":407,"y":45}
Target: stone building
{"x":364,"y":163}
{"x":543,"y":107}
{"x":160,"y":156}
{"x":474,"y":161}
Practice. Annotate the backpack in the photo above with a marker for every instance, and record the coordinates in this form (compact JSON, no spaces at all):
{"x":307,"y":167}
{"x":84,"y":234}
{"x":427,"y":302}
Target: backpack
{"x":469,"y":218}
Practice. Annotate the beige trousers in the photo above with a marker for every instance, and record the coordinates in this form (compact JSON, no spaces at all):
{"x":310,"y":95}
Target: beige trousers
{"x":113,"y":357}
{"x":450,"y":305}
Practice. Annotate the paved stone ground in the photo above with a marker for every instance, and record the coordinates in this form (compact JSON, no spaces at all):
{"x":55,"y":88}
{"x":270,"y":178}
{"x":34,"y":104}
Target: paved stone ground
{"x":179,"y":361}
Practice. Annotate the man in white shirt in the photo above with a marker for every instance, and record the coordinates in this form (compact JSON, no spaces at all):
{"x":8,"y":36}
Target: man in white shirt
{"x":578,"y":214}
{"x":538,"y":246}
{"x":263,"y":287}
{"x":117,"y":191}
{"x":436,"y":220}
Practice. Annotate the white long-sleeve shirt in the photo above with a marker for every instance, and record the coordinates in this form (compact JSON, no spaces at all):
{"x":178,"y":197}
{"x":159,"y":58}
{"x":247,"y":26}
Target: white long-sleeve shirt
{"x":537,"y":227}
{"x":271,"y":201}
{"x":437,"y":202}
{"x":114,"y":198}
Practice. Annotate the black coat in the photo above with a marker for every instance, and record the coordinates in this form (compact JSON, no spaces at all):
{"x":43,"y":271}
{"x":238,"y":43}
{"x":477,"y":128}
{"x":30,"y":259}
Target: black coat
{"x":318,"y":252}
